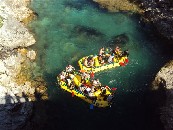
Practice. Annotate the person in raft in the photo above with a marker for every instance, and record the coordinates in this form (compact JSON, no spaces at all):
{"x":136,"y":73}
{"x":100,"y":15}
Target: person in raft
{"x":110,"y":59}
{"x":101,"y":52}
{"x":70,"y":68}
{"x":117,"y":51}
{"x":125,"y":53}
{"x":85,"y":62}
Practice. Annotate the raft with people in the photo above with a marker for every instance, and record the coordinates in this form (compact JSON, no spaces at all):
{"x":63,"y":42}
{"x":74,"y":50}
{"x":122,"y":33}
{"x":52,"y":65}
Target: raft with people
{"x":106,"y":59}
{"x":82,"y":85}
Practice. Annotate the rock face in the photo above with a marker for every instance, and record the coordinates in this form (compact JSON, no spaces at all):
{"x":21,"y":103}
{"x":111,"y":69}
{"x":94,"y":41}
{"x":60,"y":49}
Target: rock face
{"x":13,"y":33}
{"x":163,"y":84}
{"x":160,"y":13}
{"x":20,"y":80}
{"x":164,"y":78}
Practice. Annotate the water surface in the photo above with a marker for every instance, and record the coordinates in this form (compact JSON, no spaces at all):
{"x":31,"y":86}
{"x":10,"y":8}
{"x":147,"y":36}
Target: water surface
{"x":68,"y":30}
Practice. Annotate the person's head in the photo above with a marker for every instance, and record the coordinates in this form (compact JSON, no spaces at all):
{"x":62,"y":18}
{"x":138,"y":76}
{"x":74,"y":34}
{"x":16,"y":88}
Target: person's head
{"x":117,"y":47}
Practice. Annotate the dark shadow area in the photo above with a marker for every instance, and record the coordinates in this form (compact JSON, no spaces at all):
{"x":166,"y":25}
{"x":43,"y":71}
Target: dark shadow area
{"x":14,"y":112}
{"x":155,"y":100}
{"x":88,"y":31}
{"x":8,"y":99}
{"x":25,"y":96}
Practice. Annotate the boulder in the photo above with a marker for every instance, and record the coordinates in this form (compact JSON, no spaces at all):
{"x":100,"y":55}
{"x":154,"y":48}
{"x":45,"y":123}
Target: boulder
{"x":164,"y":77}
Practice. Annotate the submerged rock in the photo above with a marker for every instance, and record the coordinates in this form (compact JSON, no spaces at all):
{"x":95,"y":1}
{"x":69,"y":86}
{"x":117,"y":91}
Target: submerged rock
{"x":88,"y":31}
{"x":118,"y":40}
{"x":119,"y":5}
{"x":74,"y":5}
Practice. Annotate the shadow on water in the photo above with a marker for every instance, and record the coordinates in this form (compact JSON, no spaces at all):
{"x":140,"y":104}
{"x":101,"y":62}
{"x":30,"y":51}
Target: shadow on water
{"x":156,"y":100}
{"x":88,"y":31}
{"x":66,"y":113}
{"x":80,"y":117}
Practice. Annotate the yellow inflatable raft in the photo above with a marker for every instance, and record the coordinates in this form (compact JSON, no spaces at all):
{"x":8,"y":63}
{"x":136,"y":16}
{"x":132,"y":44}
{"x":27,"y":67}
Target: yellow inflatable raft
{"x":120,"y":61}
{"x":98,"y":99}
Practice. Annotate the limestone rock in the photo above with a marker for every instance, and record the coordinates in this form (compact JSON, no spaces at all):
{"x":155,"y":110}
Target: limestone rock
{"x":31,"y":54}
{"x":163,"y":84}
{"x":15,"y":104}
{"x":13,"y":34}
{"x":164,"y":78}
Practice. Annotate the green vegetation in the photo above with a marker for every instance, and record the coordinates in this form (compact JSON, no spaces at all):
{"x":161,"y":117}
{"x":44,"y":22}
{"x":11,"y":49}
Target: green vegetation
{"x":1,"y":21}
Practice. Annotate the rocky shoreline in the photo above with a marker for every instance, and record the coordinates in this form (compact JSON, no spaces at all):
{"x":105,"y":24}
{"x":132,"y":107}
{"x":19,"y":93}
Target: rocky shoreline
{"x":159,"y":13}
{"x":20,"y":77}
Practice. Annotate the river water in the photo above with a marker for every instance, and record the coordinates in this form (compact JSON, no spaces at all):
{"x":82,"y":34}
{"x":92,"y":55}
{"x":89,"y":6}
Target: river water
{"x":67,"y":30}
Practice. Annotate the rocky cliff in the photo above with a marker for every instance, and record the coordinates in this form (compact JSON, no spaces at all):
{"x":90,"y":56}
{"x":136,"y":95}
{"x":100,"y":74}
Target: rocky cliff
{"x":160,"y":13}
{"x":157,"y":12}
{"x":163,"y":86}
{"x":20,"y":79}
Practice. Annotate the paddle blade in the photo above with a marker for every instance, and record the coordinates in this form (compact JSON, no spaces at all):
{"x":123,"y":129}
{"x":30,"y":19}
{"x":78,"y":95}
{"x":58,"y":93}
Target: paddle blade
{"x":91,"y":106}
{"x":72,"y":94}
{"x":114,"y":89}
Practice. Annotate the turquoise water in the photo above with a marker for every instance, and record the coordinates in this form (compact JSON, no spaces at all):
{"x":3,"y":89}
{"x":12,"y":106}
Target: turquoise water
{"x":68,"y":30}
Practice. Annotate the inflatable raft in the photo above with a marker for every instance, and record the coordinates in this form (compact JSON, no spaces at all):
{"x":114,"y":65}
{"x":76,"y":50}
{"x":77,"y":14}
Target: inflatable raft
{"x":101,"y":97}
{"x":119,"y":61}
